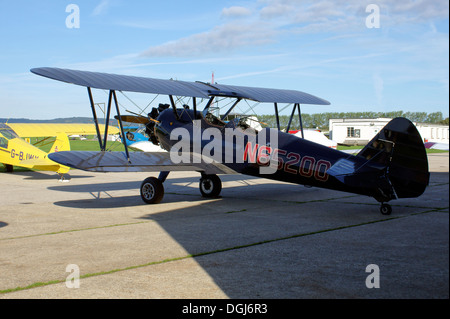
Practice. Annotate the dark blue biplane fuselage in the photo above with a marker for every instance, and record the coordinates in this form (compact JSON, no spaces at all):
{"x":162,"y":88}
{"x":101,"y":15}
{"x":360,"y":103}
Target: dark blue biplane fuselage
{"x":291,"y":159}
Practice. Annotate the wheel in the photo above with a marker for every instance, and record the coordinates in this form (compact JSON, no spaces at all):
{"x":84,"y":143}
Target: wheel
{"x":9,"y":168}
{"x":385,"y":209}
{"x":152,"y":190}
{"x":210,"y":185}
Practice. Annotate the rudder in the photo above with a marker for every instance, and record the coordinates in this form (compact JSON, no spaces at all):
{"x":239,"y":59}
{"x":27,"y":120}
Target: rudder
{"x":399,"y":147}
{"x":61,"y":143}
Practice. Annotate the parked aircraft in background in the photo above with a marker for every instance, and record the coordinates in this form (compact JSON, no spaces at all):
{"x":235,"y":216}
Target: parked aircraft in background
{"x":437,"y":146}
{"x":15,"y":151}
{"x":317,"y":137}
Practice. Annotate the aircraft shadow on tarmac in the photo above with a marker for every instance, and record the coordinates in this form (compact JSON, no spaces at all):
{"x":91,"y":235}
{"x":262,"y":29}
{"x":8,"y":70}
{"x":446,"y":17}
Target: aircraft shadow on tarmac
{"x":260,"y":246}
{"x":36,"y":175}
{"x":178,"y":190}
{"x":272,"y":240}
{"x":186,"y":189}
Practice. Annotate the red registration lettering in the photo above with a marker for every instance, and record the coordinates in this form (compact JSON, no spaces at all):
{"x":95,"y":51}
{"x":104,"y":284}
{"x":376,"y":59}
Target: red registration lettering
{"x":250,"y":153}
{"x":307,"y":166}
{"x":295,"y":159}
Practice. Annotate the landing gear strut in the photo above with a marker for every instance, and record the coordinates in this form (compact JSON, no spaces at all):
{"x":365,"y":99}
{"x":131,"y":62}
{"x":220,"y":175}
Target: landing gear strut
{"x":385,"y":209}
{"x":210,"y":185}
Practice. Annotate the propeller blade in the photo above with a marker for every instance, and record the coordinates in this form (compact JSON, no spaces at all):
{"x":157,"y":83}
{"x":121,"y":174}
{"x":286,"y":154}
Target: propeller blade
{"x":133,"y":119}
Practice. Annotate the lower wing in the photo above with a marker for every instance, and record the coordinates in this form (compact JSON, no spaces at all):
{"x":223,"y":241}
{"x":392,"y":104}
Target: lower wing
{"x":138,"y":162}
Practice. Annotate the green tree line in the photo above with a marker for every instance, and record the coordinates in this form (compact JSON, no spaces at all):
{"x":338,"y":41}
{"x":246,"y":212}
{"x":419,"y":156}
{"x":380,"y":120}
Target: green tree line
{"x":320,"y":120}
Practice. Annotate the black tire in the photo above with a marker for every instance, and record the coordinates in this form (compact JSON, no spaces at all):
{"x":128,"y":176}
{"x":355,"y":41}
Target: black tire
{"x":385,"y":209}
{"x":152,"y":190}
{"x":210,"y":186}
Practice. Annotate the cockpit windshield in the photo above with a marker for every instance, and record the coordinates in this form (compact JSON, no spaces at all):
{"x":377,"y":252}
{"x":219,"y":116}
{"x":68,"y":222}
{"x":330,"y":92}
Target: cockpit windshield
{"x":7,"y":132}
{"x":212,"y":119}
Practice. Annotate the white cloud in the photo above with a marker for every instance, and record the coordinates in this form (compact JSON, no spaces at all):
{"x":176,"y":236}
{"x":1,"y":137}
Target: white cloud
{"x":420,"y":10}
{"x":276,"y":18}
{"x":351,"y":13}
{"x":101,"y":7}
{"x":275,"y":10}
{"x":235,"y":11}
{"x":221,"y":38}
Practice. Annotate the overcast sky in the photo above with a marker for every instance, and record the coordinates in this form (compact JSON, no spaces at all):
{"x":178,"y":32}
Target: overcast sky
{"x":337,"y":50}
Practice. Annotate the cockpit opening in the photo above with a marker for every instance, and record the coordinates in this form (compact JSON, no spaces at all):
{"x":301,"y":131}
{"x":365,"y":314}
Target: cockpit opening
{"x":7,"y":132}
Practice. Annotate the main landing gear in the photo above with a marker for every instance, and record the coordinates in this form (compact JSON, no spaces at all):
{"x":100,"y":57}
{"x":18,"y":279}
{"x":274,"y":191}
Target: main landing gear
{"x":210,"y":185}
{"x":152,"y":188}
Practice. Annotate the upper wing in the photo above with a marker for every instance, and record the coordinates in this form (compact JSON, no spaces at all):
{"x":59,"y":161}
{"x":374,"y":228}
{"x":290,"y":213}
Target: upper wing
{"x":139,"y":162}
{"x":179,"y":88}
{"x":44,"y":129}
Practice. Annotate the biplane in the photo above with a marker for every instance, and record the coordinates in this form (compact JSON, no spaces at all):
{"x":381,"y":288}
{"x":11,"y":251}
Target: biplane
{"x":15,"y":151}
{"x":392,"y":165}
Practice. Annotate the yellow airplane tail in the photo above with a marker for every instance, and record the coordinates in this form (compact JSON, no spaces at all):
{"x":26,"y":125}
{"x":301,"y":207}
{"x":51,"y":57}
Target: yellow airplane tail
{"x":61,"y":144}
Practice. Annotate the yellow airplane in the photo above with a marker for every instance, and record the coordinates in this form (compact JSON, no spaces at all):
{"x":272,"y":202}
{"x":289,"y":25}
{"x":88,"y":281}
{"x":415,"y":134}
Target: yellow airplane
{"x":15,"y":151}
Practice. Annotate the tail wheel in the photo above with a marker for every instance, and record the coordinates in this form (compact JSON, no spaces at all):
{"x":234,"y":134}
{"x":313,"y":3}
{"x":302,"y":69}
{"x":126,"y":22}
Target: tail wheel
{"x":385,"y":209}
{"x":210,"y":185}
{"x":152,"y":190}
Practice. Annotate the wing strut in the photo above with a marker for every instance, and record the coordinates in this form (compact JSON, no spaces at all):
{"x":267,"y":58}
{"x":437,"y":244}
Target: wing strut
{"x":300,"y":119}
{"x":211,"y":99}
{"x":174,"y":107}
{"x":277,"y":116}
{"x":290,"y":118}
{"x":94,"y":114}
{"x":108,"y":112}
{"x":231,"y":108}
{"x":194,"y":102}
{"x":112,"y":95}
{"x":296,"y":106}
{"x":124,"y":139}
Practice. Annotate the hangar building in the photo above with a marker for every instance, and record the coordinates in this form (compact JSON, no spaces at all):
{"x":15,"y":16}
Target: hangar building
{"x":361,"y":131}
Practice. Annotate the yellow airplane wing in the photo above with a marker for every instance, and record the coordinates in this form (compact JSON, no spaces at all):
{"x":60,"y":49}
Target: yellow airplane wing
{"x":51,"y":129}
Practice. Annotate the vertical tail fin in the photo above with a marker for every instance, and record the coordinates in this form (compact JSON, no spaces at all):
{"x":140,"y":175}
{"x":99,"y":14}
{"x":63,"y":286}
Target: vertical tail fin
{"x":399,"y":147}
{"x":61,"y":144}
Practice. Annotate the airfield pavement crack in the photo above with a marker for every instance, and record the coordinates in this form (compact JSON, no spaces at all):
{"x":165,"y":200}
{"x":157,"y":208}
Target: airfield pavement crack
{"x":222,"y":250}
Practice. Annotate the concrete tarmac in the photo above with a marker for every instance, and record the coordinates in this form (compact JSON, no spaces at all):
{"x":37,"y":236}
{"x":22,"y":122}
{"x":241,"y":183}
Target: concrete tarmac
{"x":260,"y":239}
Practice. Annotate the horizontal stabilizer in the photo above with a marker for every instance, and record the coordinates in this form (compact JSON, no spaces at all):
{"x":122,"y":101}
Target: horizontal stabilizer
{"x":354,"y":171}
{"x":342,"y":167}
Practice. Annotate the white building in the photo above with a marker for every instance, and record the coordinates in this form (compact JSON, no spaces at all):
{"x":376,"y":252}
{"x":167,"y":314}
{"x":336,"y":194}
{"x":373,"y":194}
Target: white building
{"x":361,"y":131}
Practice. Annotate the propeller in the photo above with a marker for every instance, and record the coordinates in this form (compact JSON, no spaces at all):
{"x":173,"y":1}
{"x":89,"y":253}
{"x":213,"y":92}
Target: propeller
{"x":149,"y":121}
